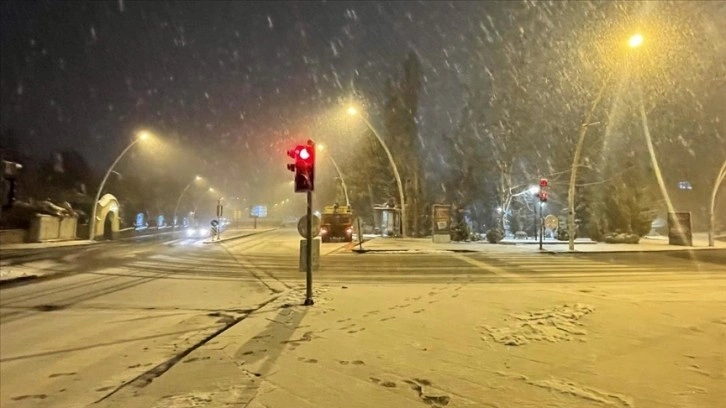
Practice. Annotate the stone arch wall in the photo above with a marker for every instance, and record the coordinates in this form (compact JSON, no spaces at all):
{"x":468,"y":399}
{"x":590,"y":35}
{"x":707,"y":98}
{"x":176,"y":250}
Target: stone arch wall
{"x":108,"y":204}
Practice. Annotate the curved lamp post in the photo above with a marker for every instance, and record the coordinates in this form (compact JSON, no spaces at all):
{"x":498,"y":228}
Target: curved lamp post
{"x":196,"y":203}
{"x":178,"y":200}
{"x":633,"y":42}
{"x":340,"y":174}
{"x":711,"y":218}
{"x":92,"y":223}
{"x":353,"y":112}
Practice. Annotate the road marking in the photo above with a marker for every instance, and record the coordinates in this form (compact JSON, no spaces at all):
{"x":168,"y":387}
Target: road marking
{"x":487,"y":267}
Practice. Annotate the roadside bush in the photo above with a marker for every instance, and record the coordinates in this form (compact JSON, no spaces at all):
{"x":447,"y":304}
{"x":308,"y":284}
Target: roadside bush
{"x":460,"y":232}
{"x":494,"y":235}
{"x":563,"y":234}
{"x":620,"y":238}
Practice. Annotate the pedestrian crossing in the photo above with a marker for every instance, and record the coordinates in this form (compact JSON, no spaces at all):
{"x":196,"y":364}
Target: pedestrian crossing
{"x":267,"y":259}
{"x":484,"y":267}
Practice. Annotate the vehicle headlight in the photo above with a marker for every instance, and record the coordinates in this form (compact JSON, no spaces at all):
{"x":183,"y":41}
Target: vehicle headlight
{"x":191,"y":232}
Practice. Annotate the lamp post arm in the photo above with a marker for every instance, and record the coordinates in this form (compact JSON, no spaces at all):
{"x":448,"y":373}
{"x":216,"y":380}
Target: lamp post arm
{"x":711,"y":216}
{"x":342,"y":179}
{"x":92,"y":221}
{"x":395,"y":173}
{"x":178,"y":200}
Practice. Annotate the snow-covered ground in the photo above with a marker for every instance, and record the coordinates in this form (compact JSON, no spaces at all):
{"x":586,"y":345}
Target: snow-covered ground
{"x":642,"y":343}
{"x":30,"y":269}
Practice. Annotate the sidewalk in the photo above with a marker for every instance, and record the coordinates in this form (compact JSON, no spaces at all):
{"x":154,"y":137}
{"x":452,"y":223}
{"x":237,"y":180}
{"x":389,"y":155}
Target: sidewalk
{"x":452,"y":345}
{"x":425,"y":245}
{"x":79,"y":242}
{"x":49,"y":244}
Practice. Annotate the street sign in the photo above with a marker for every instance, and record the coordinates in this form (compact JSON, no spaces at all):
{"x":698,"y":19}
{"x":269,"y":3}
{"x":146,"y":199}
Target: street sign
{"x":259,"y":211}
{"x":441,"y":228}
{"x":302,"y":226}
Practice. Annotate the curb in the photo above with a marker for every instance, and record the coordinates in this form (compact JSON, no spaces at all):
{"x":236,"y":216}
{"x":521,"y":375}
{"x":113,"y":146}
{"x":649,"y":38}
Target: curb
{"x":18,"y":280}
{"x":639,"y":251}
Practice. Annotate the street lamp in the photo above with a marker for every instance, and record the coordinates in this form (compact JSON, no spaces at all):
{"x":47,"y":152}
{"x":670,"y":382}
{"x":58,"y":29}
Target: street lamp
{"x":635,"y":41}
{"x":354,"y":112}
{"x":141,"y":136}
{"x":337,"y":169}
{"x":711,"y":218}
{"x":178,"y":201}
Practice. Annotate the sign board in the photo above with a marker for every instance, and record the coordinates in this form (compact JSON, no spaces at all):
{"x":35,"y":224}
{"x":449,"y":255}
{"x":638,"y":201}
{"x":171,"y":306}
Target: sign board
{"x":302,"y":226}
{"x":679,"y":229}
{"x":441,"y":220}
{"x":214,"y":223}
{"x":259,"y":211}
{"x":304,"y":254}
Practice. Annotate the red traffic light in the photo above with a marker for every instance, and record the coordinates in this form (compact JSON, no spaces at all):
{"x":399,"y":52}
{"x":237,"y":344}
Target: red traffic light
{"x":304,"y":167}
{"x":543,"y":182}
{"x":304,"y":154}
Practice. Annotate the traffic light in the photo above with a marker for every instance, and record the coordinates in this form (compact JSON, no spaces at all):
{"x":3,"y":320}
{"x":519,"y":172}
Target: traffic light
{"x":543,"y":184}
{"x":9,"y":189}
{"x":304,"y":167}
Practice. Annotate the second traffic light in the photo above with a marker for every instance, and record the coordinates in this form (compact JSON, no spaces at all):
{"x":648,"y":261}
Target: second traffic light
{"x":304,"y":167}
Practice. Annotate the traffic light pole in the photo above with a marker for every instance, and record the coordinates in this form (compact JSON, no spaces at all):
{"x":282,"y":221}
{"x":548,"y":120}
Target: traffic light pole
{"x":541,"y":225}
{"x":309,"y":252}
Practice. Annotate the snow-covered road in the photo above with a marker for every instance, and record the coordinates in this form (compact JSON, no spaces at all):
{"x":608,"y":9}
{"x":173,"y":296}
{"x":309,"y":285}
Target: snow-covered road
{"x":172,"y":324}
{"x":116,"y":313}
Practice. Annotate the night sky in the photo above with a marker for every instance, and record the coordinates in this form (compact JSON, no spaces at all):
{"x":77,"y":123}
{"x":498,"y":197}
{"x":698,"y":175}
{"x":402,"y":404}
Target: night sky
{"x":229,"y":86}
{"x":228,"y":80}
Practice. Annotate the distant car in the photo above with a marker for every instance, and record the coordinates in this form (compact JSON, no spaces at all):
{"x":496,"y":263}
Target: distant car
{"x":289,"y":222}
{"x":198,"y":232}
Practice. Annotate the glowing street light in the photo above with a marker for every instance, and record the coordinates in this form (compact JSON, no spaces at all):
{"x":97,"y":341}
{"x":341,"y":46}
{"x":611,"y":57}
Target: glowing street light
{"x":353,"y":111}
{"x":635,"y":41}
{"x":141,"y":136}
